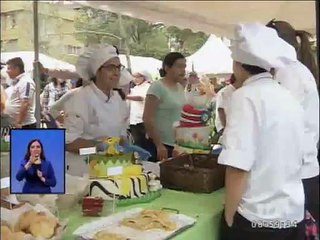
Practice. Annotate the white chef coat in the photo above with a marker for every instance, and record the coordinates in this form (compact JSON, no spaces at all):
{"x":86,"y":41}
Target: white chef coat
{"x":23,"y":87}
{"x":264,"y":136}
{"x":137,"y":107}
{"x":223,"y":101}
{"x":90,"y":114}
{"x":298,"y":79}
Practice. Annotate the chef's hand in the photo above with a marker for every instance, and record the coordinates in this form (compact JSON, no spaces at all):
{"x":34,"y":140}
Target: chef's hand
{"x":229,"y":219}
{"x":162,"y":152}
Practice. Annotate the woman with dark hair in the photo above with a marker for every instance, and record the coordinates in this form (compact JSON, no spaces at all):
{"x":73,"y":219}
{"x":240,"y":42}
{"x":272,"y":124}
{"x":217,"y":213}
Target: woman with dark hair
{"x":300,"y":79}
{"x":36,"y":170}
{"x":163,"y":105}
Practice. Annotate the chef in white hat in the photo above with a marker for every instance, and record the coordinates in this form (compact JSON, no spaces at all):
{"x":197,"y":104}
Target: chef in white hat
{"x":263,"y":143}
{"x":98,"y":109}
{"x":137,"y":97}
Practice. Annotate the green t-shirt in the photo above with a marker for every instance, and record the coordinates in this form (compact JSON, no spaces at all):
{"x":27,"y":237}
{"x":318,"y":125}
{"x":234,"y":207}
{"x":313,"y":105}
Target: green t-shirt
{"x":169,"y":109}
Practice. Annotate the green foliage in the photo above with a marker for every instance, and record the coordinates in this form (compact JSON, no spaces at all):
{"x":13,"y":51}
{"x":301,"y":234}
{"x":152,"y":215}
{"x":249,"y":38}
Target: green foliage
{"x":143,"y":38}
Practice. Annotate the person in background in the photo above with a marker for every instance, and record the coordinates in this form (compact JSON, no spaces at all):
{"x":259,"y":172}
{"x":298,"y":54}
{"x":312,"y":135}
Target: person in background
{"x":262,"y":144}
{"x":52,"y":92}
{"x":223,"y":102}
{"x":163,"y":105}
{"x":21,"y":103}
{"x":36,"y":170}
{"x":301,"y":78}
{"x":137,"y":101}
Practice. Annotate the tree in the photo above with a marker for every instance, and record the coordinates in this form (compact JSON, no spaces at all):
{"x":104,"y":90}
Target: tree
{"x":144,"y":38}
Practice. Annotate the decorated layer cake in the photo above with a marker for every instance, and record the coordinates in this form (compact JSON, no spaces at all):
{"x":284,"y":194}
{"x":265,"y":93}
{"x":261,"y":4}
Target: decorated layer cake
{"x":115,"y":173}
{"x":192,"y":131}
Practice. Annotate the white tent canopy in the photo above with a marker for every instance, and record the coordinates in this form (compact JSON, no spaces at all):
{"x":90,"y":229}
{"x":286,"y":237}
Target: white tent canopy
{"x":213,"y":57}
{"x":28,"y":58}
{"x":138,"y":63}
{"x":217,"y":17}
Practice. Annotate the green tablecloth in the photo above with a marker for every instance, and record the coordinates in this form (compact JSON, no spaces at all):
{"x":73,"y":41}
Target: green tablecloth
{"x":206,"y":208}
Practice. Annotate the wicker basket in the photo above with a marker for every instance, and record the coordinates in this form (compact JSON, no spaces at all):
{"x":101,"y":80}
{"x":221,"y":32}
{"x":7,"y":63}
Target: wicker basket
{"x":198,"y":173}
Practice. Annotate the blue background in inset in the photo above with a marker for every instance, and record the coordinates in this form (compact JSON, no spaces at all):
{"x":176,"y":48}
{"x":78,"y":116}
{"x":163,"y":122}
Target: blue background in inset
{"x":53,"y":141}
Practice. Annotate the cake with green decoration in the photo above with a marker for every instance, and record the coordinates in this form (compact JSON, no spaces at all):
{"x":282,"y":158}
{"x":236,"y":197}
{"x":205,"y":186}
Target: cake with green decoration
{"x":114,"y":173}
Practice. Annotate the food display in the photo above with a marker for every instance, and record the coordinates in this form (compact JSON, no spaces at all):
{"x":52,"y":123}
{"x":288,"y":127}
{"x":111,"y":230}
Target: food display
{"x":114,"y":173}
{"x":136,"y":224}
{"x":105,"y":235}
{"x":192,"y":131}
{"x":38,"y":224}
{"x":30,"y":222}
{"x":150,"y":219}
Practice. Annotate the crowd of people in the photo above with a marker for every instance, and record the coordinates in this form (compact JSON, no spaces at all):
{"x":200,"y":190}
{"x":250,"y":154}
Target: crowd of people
{"x":268,"y":117}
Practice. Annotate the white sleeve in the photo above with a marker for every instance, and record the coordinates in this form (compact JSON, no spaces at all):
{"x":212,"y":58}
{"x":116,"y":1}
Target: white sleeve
{"x":74,"y":125}
{"x":59,"y":105}
{"x":240,"y":135}
{"x":74,"y":122}
{"x":26,"y":90}
{"x":219,"y":100}
{"x":288,"y":79}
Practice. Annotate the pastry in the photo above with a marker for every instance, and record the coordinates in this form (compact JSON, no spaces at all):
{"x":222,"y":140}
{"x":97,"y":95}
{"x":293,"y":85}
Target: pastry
{"x":18,"y":236}
{"x":105,"y":235}
{"x":150,"y":219}
{"x":43,"y":226}
{"x":42,"y":229}
{"x":6,"y":233}
{"x":24,"y":221}
{"x":36,"y":223}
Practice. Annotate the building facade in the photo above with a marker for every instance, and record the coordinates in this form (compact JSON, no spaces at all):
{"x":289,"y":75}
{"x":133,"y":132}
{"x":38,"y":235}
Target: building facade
{"x":56,"y":29}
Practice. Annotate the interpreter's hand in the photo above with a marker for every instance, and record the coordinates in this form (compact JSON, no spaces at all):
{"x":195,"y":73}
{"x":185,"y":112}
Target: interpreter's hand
{"x":30,"y":162}
{"x":162,"y":152}
{"x":40,"y":175}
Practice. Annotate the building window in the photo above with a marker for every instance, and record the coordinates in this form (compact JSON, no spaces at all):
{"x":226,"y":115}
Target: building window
{"x":11,"y":21}
{"x":73,"y":50}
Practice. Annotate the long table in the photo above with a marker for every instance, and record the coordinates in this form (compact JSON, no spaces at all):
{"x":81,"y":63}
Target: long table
{"x":205,"y":208}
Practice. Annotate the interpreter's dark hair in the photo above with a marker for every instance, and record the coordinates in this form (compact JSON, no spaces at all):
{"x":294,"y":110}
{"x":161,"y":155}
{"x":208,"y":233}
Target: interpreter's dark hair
{"x":16,"y":62}
{"x":303,"y":49}
{"x":27,"y":155}
{"x":253,"y":70}
{"x":169,"y":60}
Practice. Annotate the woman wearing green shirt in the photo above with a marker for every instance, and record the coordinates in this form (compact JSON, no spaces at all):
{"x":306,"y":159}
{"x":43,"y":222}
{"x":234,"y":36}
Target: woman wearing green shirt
{"x":163,"y":105}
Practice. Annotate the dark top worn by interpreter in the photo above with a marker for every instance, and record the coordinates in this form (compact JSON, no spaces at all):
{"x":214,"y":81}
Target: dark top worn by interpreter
{"x":33,"y":183}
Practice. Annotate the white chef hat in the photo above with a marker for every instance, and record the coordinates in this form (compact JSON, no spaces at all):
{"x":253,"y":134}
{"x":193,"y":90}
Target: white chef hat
{"x":257,"y":45}
{"x":146,"y":75}
{"x":125,"y":78}
{"x":93,"y":58}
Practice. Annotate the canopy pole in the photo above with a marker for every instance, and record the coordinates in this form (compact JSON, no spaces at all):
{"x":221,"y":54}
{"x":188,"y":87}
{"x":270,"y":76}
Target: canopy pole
{"x":36,"y":74}
{"x":123,"y":34}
